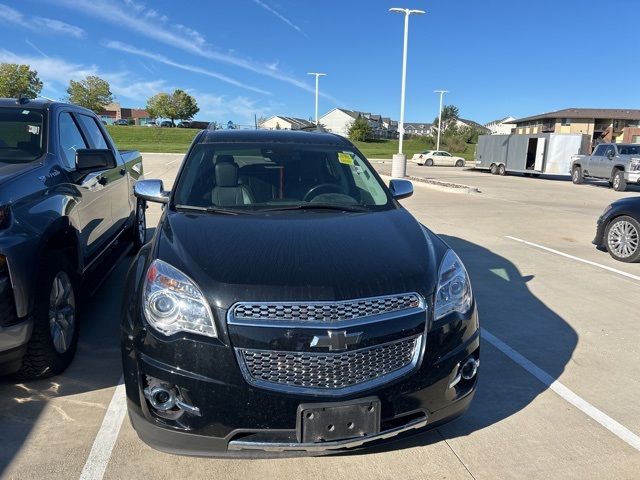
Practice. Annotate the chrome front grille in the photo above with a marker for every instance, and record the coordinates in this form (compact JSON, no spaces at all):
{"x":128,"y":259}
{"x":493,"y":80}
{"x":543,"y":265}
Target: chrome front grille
{"x":330,"y":373}
{"x":323,"y":312}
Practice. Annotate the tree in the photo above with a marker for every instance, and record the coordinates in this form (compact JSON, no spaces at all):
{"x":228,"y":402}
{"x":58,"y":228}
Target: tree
{"x":360,"y":130}
{"x":18,"y":79}
{"x":93,"y":93}
{"x":277,"y":125}
{"x":450,"y":114}
{"x":178,"y":105}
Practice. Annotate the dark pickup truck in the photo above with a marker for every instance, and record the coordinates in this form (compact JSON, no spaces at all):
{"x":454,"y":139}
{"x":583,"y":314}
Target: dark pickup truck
{"x":66,"y":206}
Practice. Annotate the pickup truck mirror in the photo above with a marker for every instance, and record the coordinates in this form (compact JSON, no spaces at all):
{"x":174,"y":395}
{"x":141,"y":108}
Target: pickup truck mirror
{"x":611,"y":153}
{"x":91,"y":160}
{"x":151,"y":191}
{"x":400,"y":188}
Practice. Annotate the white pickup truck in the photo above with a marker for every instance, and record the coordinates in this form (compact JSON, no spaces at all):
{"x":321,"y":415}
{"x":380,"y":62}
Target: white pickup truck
{"x":619,"y":163}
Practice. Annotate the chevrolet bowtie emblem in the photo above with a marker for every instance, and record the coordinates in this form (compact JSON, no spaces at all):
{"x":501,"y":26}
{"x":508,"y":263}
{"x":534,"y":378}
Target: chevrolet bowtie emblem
{"x":336,"y":340}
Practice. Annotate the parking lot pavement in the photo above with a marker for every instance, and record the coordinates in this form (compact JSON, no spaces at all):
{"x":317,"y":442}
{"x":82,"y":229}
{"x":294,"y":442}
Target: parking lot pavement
{"x":559,"y":377}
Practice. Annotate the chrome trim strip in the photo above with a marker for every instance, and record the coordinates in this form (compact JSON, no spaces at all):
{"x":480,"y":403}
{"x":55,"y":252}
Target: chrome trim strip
{"x":334,"y":392}
{"x":335,"y":445}
{"x":257,"y":322}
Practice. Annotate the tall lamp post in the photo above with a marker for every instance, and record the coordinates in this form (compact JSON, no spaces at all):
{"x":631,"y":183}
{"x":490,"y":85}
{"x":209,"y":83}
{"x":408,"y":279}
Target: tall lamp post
{"x":441,"y":92}
{"x":399,"y":165}
{"x":317,"y":75}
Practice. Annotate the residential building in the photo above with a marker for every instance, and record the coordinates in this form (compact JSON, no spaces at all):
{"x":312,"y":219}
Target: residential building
{"x":114,"y":111}
{"x":501,"y":126}
{"x":339,"y":120}
{"x":280,"y":122}
{"x":418,"y":129}
{"x":463,"y":122}
{"x":601,"y":124}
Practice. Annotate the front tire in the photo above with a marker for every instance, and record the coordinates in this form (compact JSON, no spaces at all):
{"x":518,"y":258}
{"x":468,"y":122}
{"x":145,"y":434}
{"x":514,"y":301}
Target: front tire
{"x":622,"y":238}
{"x":460,"y":163}
{"x":619,"y":183}
{"x":576,"y":175}
{"x":55,"y":328}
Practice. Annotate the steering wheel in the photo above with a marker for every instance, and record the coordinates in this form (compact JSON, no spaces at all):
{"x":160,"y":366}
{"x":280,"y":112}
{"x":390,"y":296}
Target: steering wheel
{"x":313,"y":191}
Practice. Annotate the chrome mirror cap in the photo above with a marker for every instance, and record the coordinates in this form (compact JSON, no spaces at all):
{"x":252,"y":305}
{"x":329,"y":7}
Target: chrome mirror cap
{"x":400,"y":188}
{"x":151,"y":191}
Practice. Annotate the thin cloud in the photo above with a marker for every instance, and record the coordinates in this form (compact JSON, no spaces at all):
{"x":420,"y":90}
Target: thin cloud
{"x":39,"y":24}
{"x":122,"y":47}
{"x":59,"y":27}
{"x":35,"y":47}
{"x":115,"y":14}
{"x":280,"y":16}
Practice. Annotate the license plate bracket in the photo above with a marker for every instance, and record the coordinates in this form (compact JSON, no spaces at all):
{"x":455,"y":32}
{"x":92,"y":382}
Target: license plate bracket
{"x":326,"y":422}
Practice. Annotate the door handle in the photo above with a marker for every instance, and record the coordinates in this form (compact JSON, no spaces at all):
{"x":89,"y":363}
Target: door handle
{"x":102,"y":180}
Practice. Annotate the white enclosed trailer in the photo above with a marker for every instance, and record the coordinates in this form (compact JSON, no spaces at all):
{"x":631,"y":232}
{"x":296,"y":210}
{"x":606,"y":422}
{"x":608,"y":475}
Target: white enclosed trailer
{"x":545,"y":153}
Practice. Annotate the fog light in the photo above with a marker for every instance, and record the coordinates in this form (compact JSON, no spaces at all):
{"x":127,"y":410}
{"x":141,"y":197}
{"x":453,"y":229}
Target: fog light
{"x":466,"y":370}
{"x":469,"y":368}
{"x":168,"y":400}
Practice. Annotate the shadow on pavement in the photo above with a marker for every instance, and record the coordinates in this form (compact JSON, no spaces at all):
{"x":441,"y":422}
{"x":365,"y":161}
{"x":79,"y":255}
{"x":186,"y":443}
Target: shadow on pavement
{"x":96,"y":366}
{"x":511,"y":312}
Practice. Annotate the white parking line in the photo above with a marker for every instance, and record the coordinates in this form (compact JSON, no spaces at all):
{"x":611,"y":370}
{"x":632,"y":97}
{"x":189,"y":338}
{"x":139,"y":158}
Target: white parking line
{"x":173,"y":161}
{"x":578,"y":259}
{"x":580,"y":403}
{"x":100,"y":454}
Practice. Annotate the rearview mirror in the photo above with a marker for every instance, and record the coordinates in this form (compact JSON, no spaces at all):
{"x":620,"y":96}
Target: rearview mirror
{"x":151,"y":191}
{"x":91,"y":160}
{"x":400,"y":188}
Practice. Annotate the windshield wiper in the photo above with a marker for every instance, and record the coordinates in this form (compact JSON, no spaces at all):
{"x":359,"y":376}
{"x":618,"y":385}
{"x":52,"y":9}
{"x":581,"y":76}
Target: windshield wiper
{"x":318,"y":206}
{"x":223,"y":211}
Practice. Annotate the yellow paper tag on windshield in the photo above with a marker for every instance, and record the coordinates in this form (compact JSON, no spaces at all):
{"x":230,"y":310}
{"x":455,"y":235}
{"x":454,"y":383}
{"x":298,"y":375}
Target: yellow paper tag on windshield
{"x":345,"y":158}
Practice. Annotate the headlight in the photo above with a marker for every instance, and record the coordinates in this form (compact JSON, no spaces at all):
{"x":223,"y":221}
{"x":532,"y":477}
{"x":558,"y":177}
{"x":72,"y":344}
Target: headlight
{"x":453,"y":293}
{"x":174,"y":303}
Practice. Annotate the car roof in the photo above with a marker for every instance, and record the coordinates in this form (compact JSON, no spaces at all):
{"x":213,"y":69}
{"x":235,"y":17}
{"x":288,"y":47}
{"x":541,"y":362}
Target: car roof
{"x":40,"y":103}
{"x":272,"y":136}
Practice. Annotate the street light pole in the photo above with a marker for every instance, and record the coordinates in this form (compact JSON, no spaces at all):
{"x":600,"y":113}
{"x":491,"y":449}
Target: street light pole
{"x":317,"y":75}
{"x":399,"y":165}
{"x":441,"y":92}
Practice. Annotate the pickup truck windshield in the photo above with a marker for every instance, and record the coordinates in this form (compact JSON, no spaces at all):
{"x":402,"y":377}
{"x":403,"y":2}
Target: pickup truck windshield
{"x":277,"y":177}
{"x":21,"y":135}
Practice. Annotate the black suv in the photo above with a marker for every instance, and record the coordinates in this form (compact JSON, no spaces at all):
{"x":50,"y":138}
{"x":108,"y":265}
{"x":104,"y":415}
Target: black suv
{"x":288,"y":302}
{"x":66,"y":207}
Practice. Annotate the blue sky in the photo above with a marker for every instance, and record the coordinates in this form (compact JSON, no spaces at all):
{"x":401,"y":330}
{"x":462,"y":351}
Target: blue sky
{"x":240,"y":57}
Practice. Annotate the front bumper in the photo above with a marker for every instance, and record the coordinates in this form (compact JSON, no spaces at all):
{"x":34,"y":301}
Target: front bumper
{"x":239,"y":419}
{"x":13,"y":345}
{"x":632,"y":176}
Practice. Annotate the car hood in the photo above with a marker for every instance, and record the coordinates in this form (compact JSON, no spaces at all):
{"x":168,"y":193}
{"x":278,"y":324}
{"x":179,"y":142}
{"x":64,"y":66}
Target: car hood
{"x":11,"y":170}
{"x":301,"y":255}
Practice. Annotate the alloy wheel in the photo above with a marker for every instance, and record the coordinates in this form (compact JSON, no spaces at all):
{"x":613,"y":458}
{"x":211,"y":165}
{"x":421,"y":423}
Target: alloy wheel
{"x":623,"y":239}
{"x":62,"y":312}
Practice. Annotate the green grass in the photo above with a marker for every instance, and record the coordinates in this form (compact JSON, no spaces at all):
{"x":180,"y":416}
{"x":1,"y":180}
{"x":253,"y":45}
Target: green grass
{"x":386,"y":148}
{"x":152,"y":139}
{"x":177,"y":140}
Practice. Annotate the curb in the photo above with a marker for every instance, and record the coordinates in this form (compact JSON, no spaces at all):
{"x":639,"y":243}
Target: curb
{"x":440,"y":185}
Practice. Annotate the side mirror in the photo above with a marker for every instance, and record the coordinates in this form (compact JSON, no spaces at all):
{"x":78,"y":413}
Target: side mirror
{"x":400,"y":188}
{"x":91,"y":160}
{"x":151,"y":191}
{"x":611,"y":153}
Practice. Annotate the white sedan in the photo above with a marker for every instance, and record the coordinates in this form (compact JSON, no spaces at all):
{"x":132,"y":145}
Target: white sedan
{"x":434,"y":157}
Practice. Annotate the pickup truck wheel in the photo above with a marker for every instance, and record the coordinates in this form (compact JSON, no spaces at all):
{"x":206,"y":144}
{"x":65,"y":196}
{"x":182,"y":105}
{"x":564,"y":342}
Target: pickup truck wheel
{"x":139,"y":229}
{"x":494,"y":169}
{"x":576,"y":175}
{"x":622,"y":238}
{"x":429,"y":162}
{"x":619,"y":183}
{"x":502,"y":170}
{"x":55,"y":328}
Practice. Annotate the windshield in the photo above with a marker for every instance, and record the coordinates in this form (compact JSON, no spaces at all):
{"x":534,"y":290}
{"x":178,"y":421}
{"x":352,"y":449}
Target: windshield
{"x":21,"y":135}
{"x":278,"y":177}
